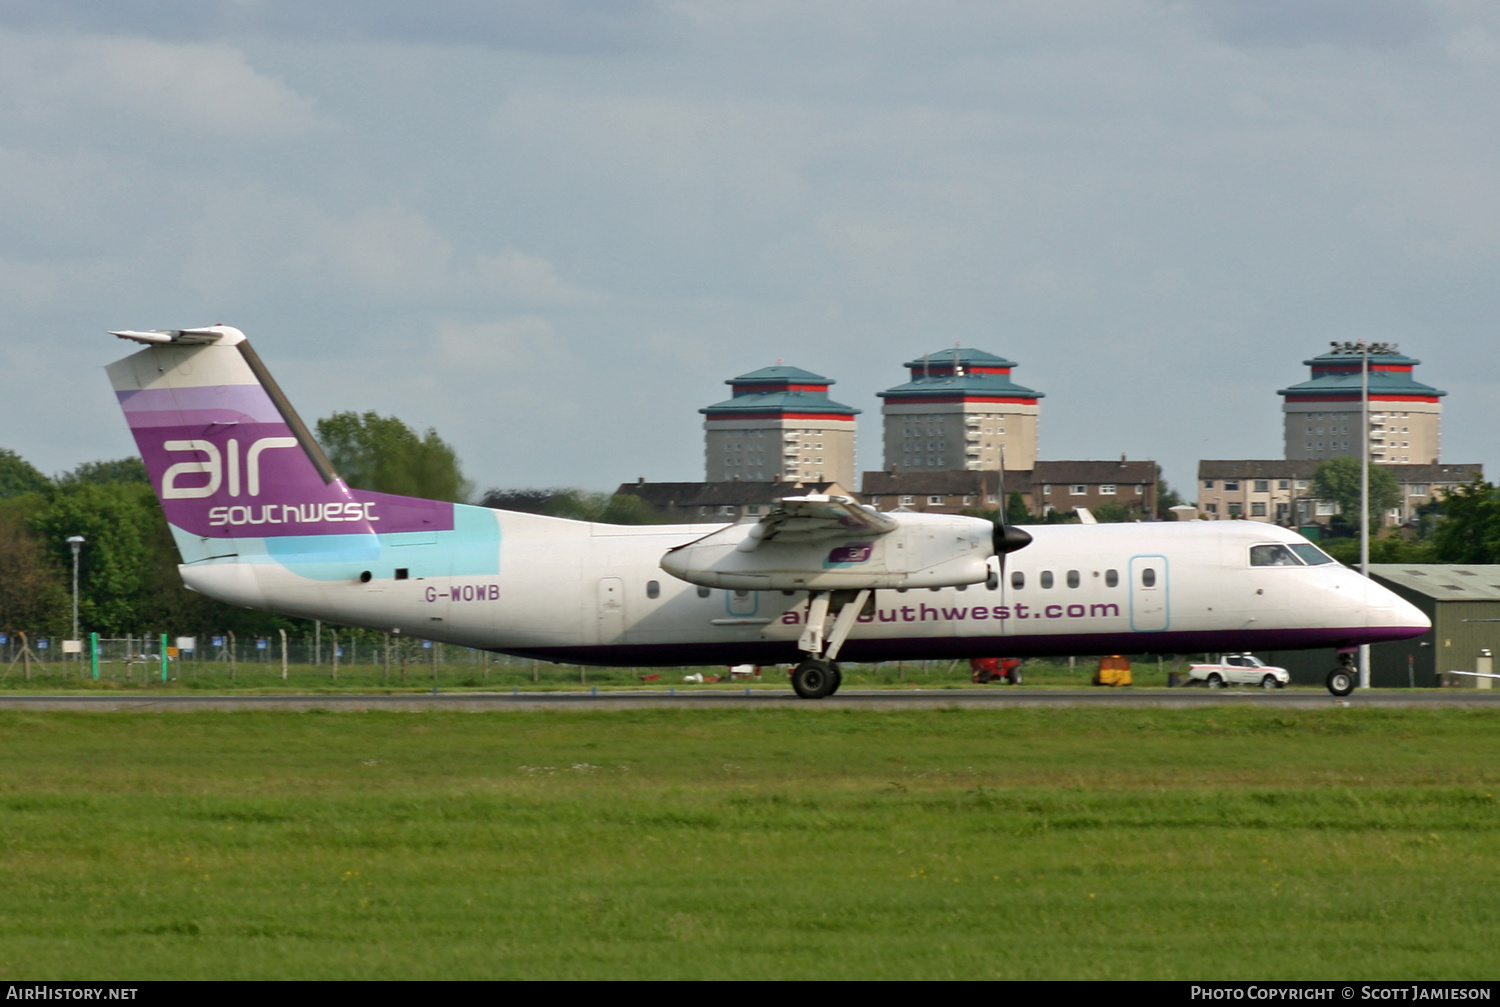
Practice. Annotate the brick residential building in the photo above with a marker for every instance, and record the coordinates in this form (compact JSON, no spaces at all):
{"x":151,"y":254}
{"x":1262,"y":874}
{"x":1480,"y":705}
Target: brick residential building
{"x":1280,"y":491}
{"x":720,"y":502}
{"x":1062,"y":486}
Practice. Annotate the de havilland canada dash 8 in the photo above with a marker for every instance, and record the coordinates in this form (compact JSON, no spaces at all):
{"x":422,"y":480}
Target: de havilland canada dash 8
{"x":262,"y":520}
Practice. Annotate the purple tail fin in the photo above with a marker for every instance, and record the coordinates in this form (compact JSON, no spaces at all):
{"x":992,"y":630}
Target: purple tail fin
{"x":227,"y":454}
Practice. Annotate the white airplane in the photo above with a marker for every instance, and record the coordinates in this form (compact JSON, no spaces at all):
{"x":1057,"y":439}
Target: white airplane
{"x":261,"y":520}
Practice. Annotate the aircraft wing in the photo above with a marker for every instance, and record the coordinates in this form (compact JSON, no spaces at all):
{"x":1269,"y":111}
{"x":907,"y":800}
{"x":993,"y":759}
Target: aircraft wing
{"x":815,"y":543}
{"x":1474,"y":674}
{"x":802,"y":520}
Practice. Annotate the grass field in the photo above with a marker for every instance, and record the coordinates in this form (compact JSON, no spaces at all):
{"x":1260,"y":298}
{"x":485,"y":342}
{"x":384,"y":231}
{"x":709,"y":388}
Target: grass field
{"x":803,"y":842}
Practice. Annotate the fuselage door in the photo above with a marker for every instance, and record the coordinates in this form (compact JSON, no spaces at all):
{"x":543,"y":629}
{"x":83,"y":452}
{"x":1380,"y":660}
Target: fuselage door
{"x":1150,"y":597}
{"x":611,"y":607}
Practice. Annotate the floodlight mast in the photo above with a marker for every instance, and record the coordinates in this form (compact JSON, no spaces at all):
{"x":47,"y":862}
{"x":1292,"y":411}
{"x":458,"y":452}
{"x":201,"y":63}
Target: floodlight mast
{"x":1364,"y":349}
{"x":76,"y":541}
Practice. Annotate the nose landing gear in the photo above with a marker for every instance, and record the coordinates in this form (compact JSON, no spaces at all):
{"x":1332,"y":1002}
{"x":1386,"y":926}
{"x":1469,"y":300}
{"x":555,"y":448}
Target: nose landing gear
{"x":1343,"y":679}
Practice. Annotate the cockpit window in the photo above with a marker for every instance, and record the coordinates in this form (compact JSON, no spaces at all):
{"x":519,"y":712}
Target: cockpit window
{"x":1311,"y":554}
{"x":1272,"y":555}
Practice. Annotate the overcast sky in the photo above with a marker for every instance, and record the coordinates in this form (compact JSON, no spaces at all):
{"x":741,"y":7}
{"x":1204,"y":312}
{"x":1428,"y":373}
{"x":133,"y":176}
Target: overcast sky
{"x":552,"y":229}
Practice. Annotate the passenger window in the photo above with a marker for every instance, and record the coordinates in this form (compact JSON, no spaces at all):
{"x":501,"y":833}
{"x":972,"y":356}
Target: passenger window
{"x":741,"y":595}
{"x":1111,"y":578}
{"x":704,"y":592}
{"x":1072,"y":578}
{"x":1046,"y":578}
{"x":1148,"y":577}
{"x":1017,"y":579}
{"x":653,"y":589}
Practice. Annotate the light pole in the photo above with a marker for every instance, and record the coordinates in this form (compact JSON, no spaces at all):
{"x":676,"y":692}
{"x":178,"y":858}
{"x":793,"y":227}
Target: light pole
{"x":1364,"y":350}
{"x":76,"y":541}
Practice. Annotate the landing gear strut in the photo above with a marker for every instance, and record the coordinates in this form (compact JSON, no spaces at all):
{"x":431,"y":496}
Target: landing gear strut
{"x":1341,"y":680}
{"x":817,"y":676}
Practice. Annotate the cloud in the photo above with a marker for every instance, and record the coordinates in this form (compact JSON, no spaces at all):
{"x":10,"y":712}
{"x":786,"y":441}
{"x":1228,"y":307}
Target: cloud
{"x":394,"y":253}
{"x":1294,"y":23}
{"x":528,"y":279}
{"x":387,"y":251}
{"x":36,"y":285}
{"x":749,"y":149}
{"x":512,"y":351}
{"x":555,"y":26}
{"x":207,"y":90}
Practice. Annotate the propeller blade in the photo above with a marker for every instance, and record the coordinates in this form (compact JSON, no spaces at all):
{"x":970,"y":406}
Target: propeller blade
{"x":1007,"y":537}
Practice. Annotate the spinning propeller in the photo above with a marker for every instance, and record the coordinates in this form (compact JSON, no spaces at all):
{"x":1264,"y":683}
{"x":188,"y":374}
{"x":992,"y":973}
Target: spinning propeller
{"x":1007,"y":537}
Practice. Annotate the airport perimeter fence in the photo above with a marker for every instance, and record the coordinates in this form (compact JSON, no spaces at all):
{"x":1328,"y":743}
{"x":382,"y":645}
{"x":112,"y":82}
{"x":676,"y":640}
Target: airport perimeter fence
{"x":343,"y":658}
{"x":330,"y":657}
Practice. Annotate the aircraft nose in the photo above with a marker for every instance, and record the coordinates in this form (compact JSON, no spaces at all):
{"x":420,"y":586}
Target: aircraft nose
{"x":1407,"y":614}
{"x":1388,"y":609}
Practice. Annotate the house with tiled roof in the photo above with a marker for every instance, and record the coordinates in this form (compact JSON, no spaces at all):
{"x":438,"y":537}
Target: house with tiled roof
{"x":1062,"y":486}
{"x":721,"y":502}
{"x":1280,"y":491}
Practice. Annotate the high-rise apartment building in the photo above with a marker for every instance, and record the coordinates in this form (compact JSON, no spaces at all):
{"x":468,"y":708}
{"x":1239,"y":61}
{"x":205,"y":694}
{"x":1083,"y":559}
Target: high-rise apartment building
{"x":960,"y":410}
{"x":779,"y":425}
{"x":1322,"y":415}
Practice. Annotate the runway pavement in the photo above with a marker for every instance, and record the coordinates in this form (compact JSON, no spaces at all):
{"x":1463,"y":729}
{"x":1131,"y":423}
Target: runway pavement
{"x":867,"y":699}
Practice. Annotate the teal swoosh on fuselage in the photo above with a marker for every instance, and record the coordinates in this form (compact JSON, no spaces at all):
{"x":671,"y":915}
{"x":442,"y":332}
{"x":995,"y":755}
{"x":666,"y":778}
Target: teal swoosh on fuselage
{"x":472,"y":548}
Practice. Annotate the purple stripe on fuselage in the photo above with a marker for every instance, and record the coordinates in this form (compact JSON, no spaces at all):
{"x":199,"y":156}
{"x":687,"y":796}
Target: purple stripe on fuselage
{"x":957,"y":647}
{"x":247,"y":401}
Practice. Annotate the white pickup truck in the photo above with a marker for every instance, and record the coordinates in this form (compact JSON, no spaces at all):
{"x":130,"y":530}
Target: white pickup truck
{"x":1239,"y":669}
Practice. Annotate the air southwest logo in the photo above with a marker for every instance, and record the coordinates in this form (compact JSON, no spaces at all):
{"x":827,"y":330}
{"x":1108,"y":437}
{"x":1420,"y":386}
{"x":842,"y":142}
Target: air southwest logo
{"x":976,"y":613}
{"x":314,"y":513}
{"x":224,"y":470}
{"x":847,"y":555}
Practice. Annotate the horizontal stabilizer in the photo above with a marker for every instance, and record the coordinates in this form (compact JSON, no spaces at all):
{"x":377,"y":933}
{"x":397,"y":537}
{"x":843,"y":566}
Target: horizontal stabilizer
{"x":226,"y":334}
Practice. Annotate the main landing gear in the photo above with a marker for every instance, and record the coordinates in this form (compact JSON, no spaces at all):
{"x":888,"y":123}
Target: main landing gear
{"x":815,"y":678}
{"x":817,"y":675}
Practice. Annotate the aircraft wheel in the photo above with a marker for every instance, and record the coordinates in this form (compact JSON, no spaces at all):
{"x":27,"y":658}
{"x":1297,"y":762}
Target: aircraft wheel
{"x":815,"y":679}
{"x":1269,"y":682}
{"x":1341,"y":681}
{"x":1015,"y":676}
{"x":838,"y":677}
{"x":1215,"y":681}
